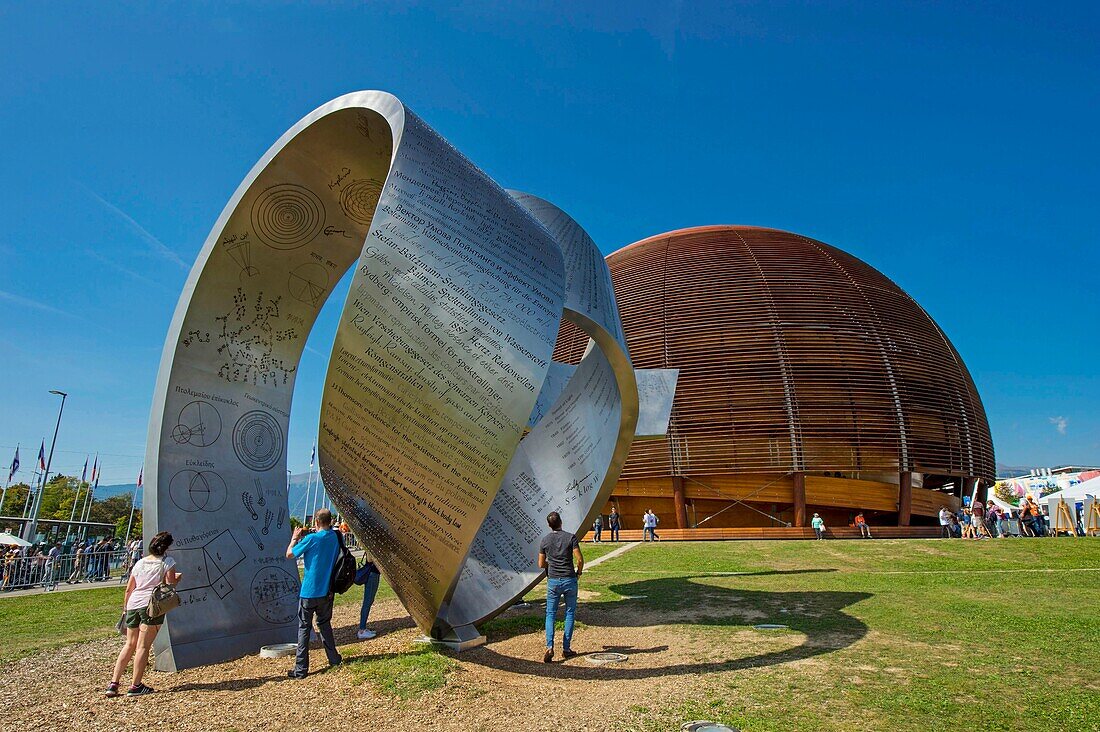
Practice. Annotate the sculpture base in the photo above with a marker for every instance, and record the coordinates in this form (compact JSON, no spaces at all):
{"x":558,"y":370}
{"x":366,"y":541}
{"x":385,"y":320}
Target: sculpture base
{"x":459,"y":639}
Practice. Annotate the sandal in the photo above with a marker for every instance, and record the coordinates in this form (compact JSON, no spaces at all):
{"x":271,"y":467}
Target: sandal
{"x":112,"y":690}
{"x":140,"y":690}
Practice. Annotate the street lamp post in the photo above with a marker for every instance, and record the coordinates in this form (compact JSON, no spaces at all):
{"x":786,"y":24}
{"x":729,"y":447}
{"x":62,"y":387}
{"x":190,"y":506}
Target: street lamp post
{"x":32,"y":526}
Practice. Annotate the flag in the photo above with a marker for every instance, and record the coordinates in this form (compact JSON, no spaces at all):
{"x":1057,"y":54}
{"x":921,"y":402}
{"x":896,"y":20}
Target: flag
{"x":84,"y":473}
{"x":14,"y":464}
{"x":95,"y":467}
{"x":140,"y":475}
{"x":313,"y":456}
{"x":42,"y":457}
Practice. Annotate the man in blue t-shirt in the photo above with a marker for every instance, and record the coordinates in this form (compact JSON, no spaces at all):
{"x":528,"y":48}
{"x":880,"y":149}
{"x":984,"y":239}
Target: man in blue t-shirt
{"x":317,"y":550}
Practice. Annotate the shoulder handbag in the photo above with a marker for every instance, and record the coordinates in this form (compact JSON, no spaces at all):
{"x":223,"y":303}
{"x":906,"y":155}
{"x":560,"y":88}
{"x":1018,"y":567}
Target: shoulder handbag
{"x":164,"y":597}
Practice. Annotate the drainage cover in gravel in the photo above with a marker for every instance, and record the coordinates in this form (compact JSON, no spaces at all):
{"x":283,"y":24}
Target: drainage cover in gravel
{"x":601,"y":658}
{"x":279,"y":650}
{"x":701,"y":726}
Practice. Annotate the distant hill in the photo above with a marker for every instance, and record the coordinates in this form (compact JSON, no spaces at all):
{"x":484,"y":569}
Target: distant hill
{"x":122,"y":489}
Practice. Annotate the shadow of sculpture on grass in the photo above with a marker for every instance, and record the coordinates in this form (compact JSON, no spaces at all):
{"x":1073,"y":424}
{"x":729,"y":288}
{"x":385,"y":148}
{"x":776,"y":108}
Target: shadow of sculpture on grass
{"x":817,"y":615}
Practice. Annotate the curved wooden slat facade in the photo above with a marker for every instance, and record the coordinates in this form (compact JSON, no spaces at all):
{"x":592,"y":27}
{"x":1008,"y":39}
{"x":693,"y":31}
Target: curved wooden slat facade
{"x":795,"y":359}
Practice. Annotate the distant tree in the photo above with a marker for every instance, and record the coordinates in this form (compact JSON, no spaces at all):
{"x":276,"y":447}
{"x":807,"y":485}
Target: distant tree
{"x":135,"y":530}
{"x":109,"y":510}
{"x":14,"y":500}
{"x":294,"y":523}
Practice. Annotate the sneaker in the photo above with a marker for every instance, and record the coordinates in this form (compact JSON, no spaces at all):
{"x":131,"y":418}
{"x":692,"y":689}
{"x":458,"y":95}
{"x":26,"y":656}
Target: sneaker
{"x":292,"y":674}
{"x":568,"y":653}
{"x":548,"y":656}
{"x":112,"y":690}
{"x":140,"y":690}
{"x":366,"y":634}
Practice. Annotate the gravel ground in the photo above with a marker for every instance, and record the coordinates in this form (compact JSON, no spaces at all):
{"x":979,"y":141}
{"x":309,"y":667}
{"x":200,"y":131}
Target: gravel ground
{"x":504,"y":681}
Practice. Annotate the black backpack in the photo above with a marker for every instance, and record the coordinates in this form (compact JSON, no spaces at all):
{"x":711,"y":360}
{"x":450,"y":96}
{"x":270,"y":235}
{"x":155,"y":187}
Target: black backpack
{"x":343,"y":572}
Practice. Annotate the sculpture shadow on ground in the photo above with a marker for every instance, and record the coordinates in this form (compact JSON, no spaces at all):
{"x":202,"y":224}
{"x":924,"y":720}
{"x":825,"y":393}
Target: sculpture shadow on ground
{"x":818,"y":615}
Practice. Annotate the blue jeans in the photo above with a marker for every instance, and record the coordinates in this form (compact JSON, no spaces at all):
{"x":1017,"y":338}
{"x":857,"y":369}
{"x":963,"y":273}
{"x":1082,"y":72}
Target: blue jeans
{"x":556,"y":588}
{"x":370,"y":589}
{"x":308,"y":608}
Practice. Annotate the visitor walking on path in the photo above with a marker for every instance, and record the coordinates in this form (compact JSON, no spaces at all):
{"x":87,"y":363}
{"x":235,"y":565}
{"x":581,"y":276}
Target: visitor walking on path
{"x":819,"y":526}
{"x":557,"y":552}
{"x":649,"y":526}
{"x":861,"y":524}
{"x":318,"y":551}
{"x":614,"y":521}
{"x":141,"y":627}
{"x":597,"y":529}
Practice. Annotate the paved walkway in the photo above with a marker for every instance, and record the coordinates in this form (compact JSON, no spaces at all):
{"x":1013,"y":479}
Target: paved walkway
{"x":64,"y":587}
{"x":611,"y":555}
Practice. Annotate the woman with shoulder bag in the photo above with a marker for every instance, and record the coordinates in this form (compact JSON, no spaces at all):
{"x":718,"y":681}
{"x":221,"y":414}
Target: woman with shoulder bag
{"x":152,"y":579}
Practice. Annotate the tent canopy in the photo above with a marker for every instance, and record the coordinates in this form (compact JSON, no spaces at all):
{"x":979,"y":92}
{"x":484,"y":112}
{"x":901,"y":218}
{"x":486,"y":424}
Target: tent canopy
{"x":9,"y":540}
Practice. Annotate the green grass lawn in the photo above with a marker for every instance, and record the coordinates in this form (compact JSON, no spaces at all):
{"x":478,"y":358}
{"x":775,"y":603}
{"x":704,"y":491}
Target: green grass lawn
{"x":883,"y":635}
{"x":894,"y":634}
{"x":40,"y":622}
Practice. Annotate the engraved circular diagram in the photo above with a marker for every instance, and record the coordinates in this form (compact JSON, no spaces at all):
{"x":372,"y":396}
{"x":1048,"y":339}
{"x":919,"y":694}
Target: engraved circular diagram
{"x":258,"y":440}
{"x":274,"y":595}
{"x":308,"y":283}
{"x":287,"y":216}
{"x":198,"y":424}
{"x":359,"y":199}
{"x":197,"y":490}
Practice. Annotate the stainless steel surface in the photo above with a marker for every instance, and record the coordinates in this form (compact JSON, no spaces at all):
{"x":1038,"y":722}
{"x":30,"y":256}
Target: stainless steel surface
{"x":442,"y":349}
{"x":216,"y":458}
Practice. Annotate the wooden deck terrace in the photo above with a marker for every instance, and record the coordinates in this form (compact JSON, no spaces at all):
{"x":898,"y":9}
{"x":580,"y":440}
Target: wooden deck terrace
{"x":775,"y":532}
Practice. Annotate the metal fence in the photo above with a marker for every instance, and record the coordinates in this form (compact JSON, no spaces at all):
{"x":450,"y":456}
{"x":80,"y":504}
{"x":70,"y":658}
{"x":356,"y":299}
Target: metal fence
{"x":25,"y":573}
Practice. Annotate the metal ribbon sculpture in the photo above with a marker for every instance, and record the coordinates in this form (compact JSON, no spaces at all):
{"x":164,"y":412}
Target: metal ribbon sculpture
{"x":446,"y":434}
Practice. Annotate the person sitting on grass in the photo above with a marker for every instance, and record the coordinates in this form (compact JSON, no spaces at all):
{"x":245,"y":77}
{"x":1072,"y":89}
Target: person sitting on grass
{"x":556,"y":554}
{"x":141,"y":627}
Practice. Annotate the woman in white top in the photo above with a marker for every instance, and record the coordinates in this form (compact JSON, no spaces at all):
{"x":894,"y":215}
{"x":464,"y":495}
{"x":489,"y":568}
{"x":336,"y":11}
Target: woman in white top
{"x":141,"y":628}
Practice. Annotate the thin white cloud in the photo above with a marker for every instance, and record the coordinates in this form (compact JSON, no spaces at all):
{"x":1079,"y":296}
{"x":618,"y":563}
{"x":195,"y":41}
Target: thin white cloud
{"x":158,"y":246}
{"x":1060,"y":424}
{"x":35,"y":304}
{"x":140,"y":278}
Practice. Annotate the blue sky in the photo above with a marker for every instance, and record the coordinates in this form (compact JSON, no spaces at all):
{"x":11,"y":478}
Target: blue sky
{"x":955,"y":150}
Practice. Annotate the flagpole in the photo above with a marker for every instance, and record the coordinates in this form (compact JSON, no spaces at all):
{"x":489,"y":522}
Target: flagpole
{"x":72,"y":513}
{"x":30,"y":491}
{"x":11,"y":473}
{"x":32,"y":528}
{"x":76,"y":497}
{"x":133,"y":504}
{"x":92,"y":485}
{"x":306,"y":511}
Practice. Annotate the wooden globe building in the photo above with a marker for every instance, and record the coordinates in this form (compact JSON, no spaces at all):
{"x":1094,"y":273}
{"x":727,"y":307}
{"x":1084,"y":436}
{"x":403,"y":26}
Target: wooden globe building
{"x":809,"y":382}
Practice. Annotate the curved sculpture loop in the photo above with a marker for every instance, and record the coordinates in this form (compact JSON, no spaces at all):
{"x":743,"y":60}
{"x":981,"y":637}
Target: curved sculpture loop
{"x":446,"y":431}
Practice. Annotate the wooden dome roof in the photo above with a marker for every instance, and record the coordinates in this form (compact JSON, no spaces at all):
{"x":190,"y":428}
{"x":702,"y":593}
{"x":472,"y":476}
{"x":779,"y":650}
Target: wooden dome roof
{"x":793,"y":356}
